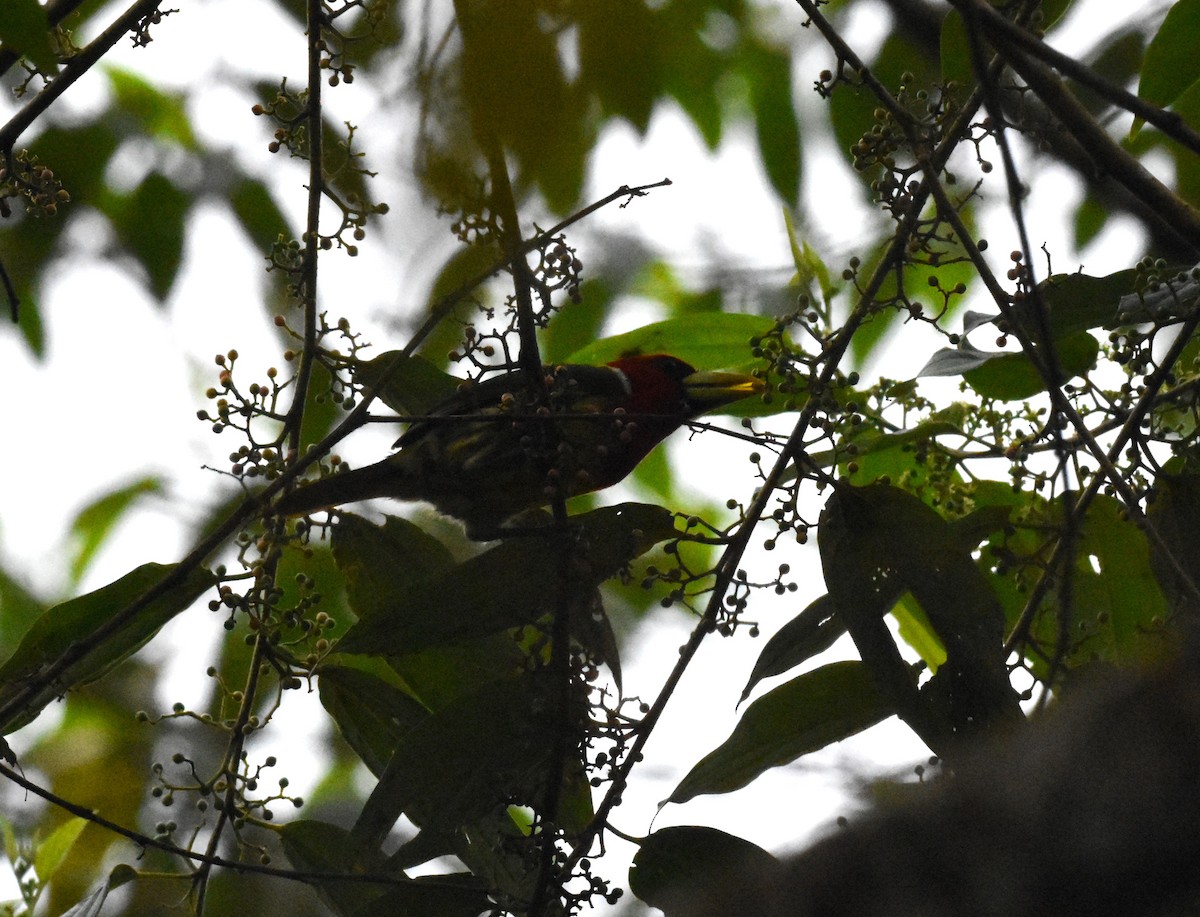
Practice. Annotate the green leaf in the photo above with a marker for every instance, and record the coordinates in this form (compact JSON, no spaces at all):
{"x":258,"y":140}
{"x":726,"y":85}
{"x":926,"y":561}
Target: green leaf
{"x":24,"y":28}
{"x":412,"y":387}
{"x":1013,"y":377}
{"x":484,"y":750}
{"x":258,"y":214}
{"x":769,"y":73}
{"x":807,"y":713}
{"x":1171,"y":66}
{"x":513,"y":81}
{"x":459,"y":895}
{"x":956,"y":51}
{"x":895,"y":454}
{"x":878,"y":542}
{"x":677,"y":869}
{"x":53,"y":850}
{"x":371,"y":714}
{"x":18,"y":609}
{"x":707,"y":340}
{"x":619,"y":42}
{"x":1175,"y":517}
{"x":512,"y":584}
{"x":150,"y":223}
{"x":912,"y":624}
{"x":1077,"y":302}
{"x":1118,"y":602}
{"x":692,"y":69}
{"x":11,"y":849}
{"x":384,"y":565}
{"x":74,"y":622}
{"x":439,"y":675}
{"x":96,"y":521}
{"x":810,"y":268}
{"x":319,"y":847}
{"x":812,"y":631}
{"x":161,"y":114}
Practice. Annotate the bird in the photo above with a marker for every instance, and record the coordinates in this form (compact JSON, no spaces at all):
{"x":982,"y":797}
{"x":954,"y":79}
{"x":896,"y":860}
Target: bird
{"x":500,"y":446}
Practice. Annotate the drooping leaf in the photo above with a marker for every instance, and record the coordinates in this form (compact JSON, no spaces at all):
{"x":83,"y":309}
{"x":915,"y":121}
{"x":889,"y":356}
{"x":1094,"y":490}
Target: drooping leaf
{"x":619,"y":46}
{"x":319,"y":847}
{"x":1175,"y":515}
{"x":257,"y":213}
{"x":485,"y":750}
{"x":96,"y":521}
{"x":1012,"y":376}
{"x":371,"y":714}
{"x":912,"y":624}
{"x":439,"y":675}
{"x":677,"y":868}
{"x":1119,"y":604}
{"x":812,"y":631}
{"x":1170,"y":66}
{"x":72,"y":624}
{"x":459,"y":895}
{"x":879,"y":542}
{"x":516,"y":89}
{"x":769,"y":73}
{"x":805,"y":714}
{"x":160,"y":114}
{"x":93,"y":904}
{"x":692,"y":69}
{"x":150,"y":222}
{"x":1077,"y":302}
{"x":956,"y":50}
{"x":384,"y":564}
{"x":53,"y":850}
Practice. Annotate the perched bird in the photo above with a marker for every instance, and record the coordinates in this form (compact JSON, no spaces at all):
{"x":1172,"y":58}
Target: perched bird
{"x":492,"y":450}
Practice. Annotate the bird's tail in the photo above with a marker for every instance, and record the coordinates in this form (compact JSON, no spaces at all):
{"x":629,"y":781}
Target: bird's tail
{"x":383,"y":479}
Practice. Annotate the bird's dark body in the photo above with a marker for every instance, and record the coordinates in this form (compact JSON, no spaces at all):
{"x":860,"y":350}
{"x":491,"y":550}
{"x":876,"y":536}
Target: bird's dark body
{"x":499,"y":446}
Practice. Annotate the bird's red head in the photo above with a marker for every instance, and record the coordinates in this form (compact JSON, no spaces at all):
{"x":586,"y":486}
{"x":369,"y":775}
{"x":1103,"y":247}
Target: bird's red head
{"x":660,"y":384}
{"x":655,"y":383}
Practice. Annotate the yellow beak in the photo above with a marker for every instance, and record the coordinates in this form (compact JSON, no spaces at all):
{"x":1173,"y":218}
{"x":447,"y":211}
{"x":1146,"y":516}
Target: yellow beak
{"x":708,"y":390}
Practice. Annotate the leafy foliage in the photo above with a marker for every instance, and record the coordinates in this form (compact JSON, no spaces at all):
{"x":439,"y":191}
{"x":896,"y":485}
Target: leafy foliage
{"x":1008,"y":525}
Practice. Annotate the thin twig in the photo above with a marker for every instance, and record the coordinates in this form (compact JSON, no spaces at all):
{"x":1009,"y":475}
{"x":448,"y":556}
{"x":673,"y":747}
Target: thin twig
{"x":1006,"y":34}
{"x":72,"y":70}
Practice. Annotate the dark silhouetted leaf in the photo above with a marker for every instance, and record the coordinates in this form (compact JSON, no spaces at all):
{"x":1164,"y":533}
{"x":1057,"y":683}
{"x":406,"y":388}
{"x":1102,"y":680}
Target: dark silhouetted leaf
{"x":679,"y":868}
{"x":812,"y":631}
{"x":803,"y":715}
{"x":372,"y":714}
{"x":512,"y":584}
{"x":150,"y":223}
{"x":769,"y":73}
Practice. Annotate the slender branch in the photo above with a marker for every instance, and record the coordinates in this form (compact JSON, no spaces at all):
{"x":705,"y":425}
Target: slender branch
{"x":230,"y":765}
{"x":72,"y":70}
{"x":1177,"y":213}
{"x":211,"y":860}
{"x":1007,"y":35}
{"x":793,"y":451}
